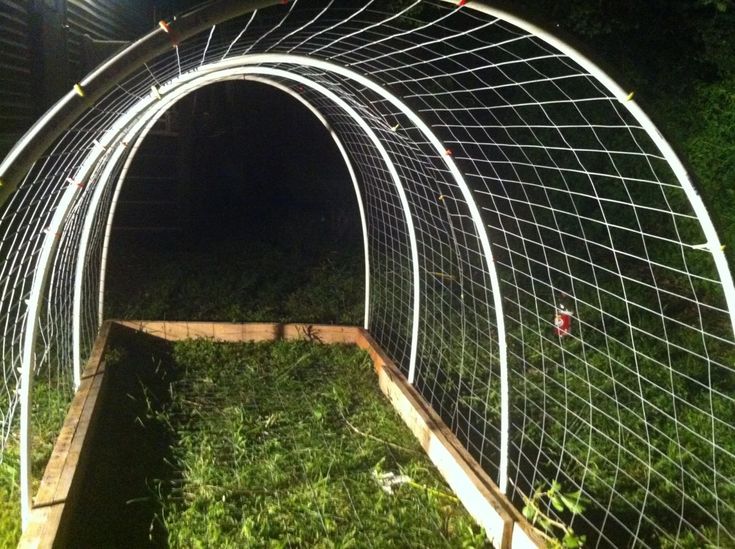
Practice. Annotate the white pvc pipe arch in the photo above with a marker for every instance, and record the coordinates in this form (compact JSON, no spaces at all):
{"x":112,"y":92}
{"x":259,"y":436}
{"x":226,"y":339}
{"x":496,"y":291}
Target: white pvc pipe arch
{"x":142,"y":123}
{"x":91,"y":215}
{"x":132,"y":124}
{"x":38,"y":289}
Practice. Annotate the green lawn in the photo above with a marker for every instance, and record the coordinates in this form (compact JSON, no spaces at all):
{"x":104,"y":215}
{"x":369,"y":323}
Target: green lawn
{"x":291,"y":444}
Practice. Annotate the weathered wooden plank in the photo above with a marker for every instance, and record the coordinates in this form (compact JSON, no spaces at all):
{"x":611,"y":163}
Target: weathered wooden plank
{"x":77,"y":446}
{"x":33,"y":537}
{"x":479,"y":494}
{"x":230,"y":332}
{"x":53,"y":492}
{"x":322,"y":333}
{"x":233,"y":332}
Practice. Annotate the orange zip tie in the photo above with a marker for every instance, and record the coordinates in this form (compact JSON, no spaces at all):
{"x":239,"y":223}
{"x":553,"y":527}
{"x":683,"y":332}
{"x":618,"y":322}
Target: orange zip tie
{"x":171,"y":33}
{"x":72,"y":182}
{"x":461,"y":3}
{"x":449,"y":152}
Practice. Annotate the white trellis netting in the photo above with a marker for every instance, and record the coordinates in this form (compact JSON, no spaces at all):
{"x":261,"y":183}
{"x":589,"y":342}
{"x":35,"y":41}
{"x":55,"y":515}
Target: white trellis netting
{"x":506,"y":182}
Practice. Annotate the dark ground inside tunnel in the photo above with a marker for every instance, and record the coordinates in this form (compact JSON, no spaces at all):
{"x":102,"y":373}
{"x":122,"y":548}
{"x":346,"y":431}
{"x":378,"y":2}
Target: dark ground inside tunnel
{"x":126,"y":451}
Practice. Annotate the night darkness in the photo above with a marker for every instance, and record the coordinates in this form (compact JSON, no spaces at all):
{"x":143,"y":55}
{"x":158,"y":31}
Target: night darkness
{"x":264,"y":160}
{"x":236,"y":205}
{"x":256,"y":160}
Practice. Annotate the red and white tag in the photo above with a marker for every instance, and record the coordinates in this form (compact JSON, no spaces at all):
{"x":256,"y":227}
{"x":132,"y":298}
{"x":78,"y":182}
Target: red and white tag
{"x":563,"y":322}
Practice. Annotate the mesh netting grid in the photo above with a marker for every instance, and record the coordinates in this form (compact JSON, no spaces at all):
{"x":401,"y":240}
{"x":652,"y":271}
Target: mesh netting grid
{"x":508,"y":185}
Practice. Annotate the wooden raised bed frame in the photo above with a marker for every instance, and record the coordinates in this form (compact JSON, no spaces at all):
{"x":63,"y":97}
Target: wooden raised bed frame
{"x":54,"y":502}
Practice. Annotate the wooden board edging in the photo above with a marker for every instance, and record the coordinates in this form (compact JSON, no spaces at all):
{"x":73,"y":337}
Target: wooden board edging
{"x":504,"y":524}
{"x":57,"y":488}
{"x":251,"y":331}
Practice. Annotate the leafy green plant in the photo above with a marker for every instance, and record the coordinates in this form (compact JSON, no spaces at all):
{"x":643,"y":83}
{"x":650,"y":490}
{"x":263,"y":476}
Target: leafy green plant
{"x":557,"y":534}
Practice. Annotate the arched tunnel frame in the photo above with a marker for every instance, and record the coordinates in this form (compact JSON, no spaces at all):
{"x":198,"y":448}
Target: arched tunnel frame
{"x":140,"y":123}
{"x":135,"y":124}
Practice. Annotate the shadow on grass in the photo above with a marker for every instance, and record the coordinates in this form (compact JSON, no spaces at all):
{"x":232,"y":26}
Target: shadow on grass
{"x":128,"y":450}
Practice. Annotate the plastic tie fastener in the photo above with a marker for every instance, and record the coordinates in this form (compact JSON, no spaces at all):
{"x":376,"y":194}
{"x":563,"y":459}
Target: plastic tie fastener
{"x":171,"y":33}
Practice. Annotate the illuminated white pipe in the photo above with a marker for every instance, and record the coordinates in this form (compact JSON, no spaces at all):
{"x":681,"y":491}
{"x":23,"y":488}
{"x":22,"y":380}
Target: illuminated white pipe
{"x":416,"y":273}
{"x":111,"y":214}
{"x":28,"y":359}
{"x":416,"y":310}
{"x":38,"y":289}
{"x":89,"y":218}
{"x":353,"y":177}
{"x":139,"y":139}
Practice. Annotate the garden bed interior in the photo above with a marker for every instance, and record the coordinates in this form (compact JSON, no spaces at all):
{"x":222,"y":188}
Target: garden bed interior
{"x":226,"y":435}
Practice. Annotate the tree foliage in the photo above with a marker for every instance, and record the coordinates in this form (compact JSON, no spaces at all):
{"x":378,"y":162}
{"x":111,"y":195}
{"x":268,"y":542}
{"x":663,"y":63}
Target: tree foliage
{"x":679,"y":57}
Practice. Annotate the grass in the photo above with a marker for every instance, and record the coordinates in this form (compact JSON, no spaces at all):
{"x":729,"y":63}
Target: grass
{"x":50,"y":401}
{"x":235,"y":281}
{"x":290,"y":444}
{"x":240,"y":281}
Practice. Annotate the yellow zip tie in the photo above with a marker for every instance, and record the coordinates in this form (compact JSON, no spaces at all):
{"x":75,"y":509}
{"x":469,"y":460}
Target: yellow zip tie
{"x":707,"y":247}
{"x":2,"y":183}
{"x":441,"y":197}
{"x":395,"y":128}
{"x":79,"y":89}
{"x":156,"y":92}
{"x":630,"y":96}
